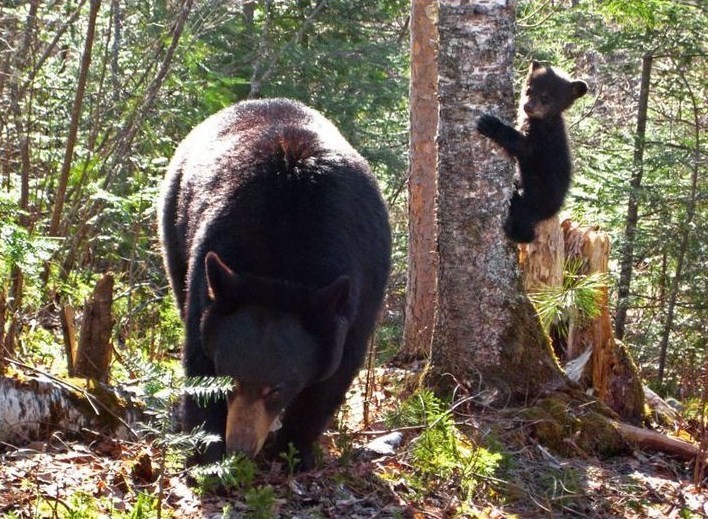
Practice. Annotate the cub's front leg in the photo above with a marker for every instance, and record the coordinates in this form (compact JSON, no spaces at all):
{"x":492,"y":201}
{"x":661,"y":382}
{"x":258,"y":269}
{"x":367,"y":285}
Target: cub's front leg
{"x":513,"y":141}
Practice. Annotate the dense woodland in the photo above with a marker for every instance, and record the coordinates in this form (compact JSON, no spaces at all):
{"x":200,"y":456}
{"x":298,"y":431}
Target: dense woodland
{"x":96,"y":95}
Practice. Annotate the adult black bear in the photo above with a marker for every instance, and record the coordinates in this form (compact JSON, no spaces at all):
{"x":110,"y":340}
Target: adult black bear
{"x":277,"y":245}
{"x":540,"y":146}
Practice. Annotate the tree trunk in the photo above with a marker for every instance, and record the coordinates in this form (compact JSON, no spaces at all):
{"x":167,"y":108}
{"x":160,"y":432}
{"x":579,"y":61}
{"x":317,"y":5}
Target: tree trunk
{"x":542,"y":260}
{"x":630,"y":230}
{"x":485,"y":326}
{"x":3,"y":307}
{"x":32,"y":408}
{"x":686,"y":230}
{"x":74,"y":123}
{"x":422,"y":264}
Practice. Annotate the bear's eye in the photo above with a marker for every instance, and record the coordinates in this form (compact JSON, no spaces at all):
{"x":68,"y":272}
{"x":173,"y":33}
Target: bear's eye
{"x":545,"y":99}
{"x":273,"y":392}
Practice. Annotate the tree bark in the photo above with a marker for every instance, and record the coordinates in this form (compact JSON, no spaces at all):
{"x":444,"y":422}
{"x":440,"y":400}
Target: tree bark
{"x":630,"y":230}
{"x":94,"y":353}
{"x":654,"y":441}
{"x":422,"y":265}
{"x":485,"y":326}
{"x":3,"y":307}
{"x":32,"y":408}
{"x":542,"y":260}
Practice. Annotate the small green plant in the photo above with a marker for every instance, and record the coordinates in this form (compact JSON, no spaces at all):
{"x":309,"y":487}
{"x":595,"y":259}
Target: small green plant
{"x":144,"y":507}
{"x":578,"y":298}
{"x":261,"y":502}
{"x":441,"y":456}
{"x":291,"y":458}
{"x":162,"y":393}
{"x":18,"y":246}
{"x":235,"y":471}
{"x":344,"y":442}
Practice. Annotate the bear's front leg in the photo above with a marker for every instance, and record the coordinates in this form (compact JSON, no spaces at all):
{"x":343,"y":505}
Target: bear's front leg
{"x":513,"y":142}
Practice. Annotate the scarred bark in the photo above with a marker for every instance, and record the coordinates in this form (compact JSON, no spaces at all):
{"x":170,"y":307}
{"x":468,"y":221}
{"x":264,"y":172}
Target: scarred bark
{"x":94,"y":352}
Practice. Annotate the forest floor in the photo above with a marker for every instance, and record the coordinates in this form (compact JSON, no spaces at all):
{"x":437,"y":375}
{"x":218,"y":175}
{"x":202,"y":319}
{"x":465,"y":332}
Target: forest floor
{"x":104,"y":477}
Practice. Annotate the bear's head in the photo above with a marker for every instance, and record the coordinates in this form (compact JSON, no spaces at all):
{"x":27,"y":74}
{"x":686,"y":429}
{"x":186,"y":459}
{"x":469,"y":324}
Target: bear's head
{"x":548,"y":92}
{"x":273,"y":339}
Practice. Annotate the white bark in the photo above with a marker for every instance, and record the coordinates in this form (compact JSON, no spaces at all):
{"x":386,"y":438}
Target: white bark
{"x":33,"y":408}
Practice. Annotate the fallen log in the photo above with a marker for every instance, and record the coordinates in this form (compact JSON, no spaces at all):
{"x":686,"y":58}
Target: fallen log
{"x":646,"y":439}
{"x":34,"y":407}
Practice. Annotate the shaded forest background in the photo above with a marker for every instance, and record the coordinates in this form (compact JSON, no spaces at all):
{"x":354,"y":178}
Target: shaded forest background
{"x":96,"y":95}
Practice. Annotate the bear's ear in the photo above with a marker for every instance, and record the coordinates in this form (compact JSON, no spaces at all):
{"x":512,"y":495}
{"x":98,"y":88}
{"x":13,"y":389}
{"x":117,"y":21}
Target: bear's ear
{"x":332,"y":300}
{"x":535,"y":65}
{"x":580,"y":88}
{"x":220,"y":278}
{"x":330,"y":306}
{"x":334,"y":355}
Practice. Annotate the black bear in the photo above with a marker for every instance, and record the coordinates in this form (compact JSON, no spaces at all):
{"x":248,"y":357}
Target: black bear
{"x":540,"y":145}
{"x":277,"y":246}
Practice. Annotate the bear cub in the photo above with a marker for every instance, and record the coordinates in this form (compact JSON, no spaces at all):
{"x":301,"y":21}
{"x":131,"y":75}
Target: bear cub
{"x":540,"y":145}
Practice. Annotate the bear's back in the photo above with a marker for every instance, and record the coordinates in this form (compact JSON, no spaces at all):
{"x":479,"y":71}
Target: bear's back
{"x":276,"y":191}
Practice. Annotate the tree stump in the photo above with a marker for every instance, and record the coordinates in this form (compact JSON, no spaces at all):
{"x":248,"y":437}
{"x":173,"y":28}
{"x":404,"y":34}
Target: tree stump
{"x":542,"y":259}
{"x":614,"y":376}
{"x":94,"y":352}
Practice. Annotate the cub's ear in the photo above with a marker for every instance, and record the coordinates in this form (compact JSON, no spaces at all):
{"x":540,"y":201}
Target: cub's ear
{"x":220,"y":278}
{"x":580,"y":88}
{"x":535,"y":65}
{"x":332,"y":300}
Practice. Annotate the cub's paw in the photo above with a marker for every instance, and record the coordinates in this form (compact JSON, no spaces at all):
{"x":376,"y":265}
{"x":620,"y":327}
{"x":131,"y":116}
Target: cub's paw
{"x":489,"y":126}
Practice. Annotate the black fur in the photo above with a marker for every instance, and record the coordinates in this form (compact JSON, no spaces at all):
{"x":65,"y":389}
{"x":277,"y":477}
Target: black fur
{"x":277,"y":246}
{"x":540,"y":146}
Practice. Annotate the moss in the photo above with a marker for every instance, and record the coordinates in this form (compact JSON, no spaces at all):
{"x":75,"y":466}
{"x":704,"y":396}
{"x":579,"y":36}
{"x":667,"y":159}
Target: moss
{"x":110,"y":406}
{"x":568,"y":427}
{"x":596,"y":435}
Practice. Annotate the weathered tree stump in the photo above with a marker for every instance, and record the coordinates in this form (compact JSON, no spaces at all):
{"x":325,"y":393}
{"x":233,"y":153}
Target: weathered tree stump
{"x":614,"y":376}
{"x":94,"y":352}
{"x":542,"y":259}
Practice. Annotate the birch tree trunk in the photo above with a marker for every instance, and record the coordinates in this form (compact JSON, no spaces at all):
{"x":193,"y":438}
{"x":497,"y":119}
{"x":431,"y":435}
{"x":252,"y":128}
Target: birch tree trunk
{"x":422,"y":265}
{"x":485,"y":326}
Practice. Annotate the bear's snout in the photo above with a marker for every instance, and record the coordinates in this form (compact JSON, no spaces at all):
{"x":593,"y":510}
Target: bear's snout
{"x":247,"y":425}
